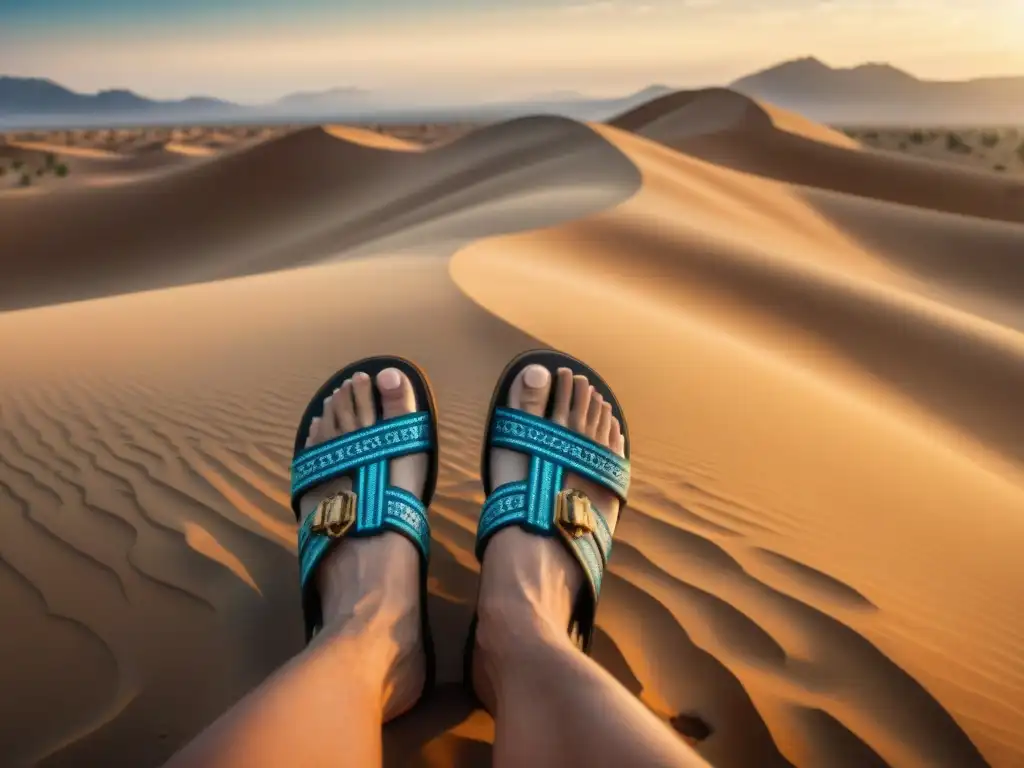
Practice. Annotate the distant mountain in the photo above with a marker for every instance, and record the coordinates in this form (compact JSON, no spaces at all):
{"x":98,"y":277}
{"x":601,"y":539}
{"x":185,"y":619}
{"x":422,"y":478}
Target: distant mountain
{"x":35,"y":96}
{"x":34,"y":102}
{"x":332,"y":99}
{"x":877,"y":92}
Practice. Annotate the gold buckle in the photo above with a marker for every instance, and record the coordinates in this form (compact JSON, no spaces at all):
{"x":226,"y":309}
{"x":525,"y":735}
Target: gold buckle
{"x":574,"y":514}
{"x":335,"y":515}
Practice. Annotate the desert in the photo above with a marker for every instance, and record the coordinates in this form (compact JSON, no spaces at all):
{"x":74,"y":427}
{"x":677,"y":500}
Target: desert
{"x":816,"y":331}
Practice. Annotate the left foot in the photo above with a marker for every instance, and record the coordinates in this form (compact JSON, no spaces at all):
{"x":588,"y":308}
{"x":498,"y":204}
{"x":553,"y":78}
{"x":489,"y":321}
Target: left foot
{"x":370,"y":588}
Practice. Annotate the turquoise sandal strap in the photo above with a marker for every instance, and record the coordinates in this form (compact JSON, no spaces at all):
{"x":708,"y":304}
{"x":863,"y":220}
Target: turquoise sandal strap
{"x":541,"y":438}
{"x":510,"y":505}
{"x":388,"y":439}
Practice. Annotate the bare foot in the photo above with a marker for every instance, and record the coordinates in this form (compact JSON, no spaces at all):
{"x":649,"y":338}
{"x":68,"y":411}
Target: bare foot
{"x":371,"y":586}
{"x":529,"y":583}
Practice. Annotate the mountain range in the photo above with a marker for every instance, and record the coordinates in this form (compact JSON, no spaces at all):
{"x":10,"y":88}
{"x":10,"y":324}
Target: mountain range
{"x":880,"y":93}
{"x":870,"y":93}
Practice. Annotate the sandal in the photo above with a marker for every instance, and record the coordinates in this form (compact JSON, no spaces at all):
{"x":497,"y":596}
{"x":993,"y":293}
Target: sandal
{"x":539,"y":504}
{"x":372,"y":506}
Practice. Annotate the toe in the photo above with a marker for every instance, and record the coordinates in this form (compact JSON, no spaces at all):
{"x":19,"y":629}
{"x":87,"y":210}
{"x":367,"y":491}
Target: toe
{"x":329,"y":428}
{"x":594,"y":414}
{"x":345,"y":408}
{"x":581,"y":394}
{"x":314,"y":432}
{"x":604,"y":424}
{"x":530,"y":390}
{"x":396,"y":393}
{"x":616,"y":441}
{"x":362,"y":390}
{"x":397,"y":398}
{"x":563,"y":397}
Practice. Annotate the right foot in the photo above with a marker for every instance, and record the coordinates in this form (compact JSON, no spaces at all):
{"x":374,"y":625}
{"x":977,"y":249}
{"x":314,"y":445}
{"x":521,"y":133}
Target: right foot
{"x":370,"y":588}
{"x":529,"y":583}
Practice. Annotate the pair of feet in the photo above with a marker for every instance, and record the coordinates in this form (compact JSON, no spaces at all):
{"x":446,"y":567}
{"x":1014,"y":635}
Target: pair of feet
{"x":528,"y":583}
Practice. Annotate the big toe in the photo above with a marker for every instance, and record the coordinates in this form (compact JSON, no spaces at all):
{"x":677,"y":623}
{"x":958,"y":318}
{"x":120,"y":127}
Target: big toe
{"x":397,"y":398}
{"x":530,"y":390}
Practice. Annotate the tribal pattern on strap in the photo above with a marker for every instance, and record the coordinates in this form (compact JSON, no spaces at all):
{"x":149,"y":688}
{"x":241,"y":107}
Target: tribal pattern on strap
{"x":385,"y":440}
{"x":539,"y":505}
{"x":372,"y":507}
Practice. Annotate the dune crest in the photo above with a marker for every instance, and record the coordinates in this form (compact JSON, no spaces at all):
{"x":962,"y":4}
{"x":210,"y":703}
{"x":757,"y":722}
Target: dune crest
{"x":693,"y":113}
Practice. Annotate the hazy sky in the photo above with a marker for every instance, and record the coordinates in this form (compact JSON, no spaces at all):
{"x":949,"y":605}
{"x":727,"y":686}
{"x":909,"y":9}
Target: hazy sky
{"x":257,"y":50}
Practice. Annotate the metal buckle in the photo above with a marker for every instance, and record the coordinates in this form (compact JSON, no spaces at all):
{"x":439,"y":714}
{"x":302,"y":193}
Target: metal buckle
{"x":574,"y":514}
{"x":335,"y":515}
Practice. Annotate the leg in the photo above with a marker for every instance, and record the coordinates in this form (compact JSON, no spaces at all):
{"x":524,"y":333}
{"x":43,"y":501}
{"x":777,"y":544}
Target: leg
{"x":326,"y":706}
{"x":553,"y":705}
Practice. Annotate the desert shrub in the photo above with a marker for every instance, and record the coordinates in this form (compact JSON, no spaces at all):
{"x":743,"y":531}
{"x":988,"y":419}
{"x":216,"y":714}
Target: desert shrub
{"x":903,"y":145}
{"x":3,"y":171}
{"x":51,"y":159}
{"x":26,"y":180}
{"x":871,"y":135}
{"x":17,"y":165}
{"x":989,"y":139}
{"x":61,"y":170}
{"x":1020,"y":152}
{"x":40,"y":171}
{"x":999,"y":167}
{"x":917,"y":137}
{"x":955,"y":144}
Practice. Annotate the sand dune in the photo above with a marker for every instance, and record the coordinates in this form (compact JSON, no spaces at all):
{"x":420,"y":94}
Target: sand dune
{"x":731,"y":130}
{"x":718,"y":110}
{"x":820,"y":355}
{"x":303,"y":197}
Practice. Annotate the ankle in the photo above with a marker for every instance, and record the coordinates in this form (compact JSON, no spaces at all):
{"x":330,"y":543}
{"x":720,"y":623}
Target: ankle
{"x":365,"y":577}
{"x":526,"y":594}
{"x":370,"y":597}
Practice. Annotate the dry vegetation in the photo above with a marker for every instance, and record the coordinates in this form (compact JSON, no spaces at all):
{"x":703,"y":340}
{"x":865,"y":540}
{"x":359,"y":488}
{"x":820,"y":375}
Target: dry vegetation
{"x":1000,"y":150}
{"x":39,"y":158}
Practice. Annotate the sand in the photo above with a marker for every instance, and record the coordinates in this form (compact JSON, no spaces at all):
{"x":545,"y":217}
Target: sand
{"x":821,"y":357}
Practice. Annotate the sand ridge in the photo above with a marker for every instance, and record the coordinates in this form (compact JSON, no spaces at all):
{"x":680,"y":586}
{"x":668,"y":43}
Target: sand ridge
{"x":821,"y":560}
{"x":732,"y":130}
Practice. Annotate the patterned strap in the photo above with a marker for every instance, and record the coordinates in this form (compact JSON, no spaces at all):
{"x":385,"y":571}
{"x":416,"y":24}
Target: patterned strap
{"x":379,"y":506}
{"x":385,"y":440}
{"x":538,"y":437}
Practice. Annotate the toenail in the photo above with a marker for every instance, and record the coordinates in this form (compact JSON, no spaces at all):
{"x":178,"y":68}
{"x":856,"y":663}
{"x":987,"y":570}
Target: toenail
{"x":389,"y":379}
{"x":536,"y":376}
{"x":361,"y":376}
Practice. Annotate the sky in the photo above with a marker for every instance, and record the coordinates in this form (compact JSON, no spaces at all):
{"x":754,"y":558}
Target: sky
{"x":443,"y":50}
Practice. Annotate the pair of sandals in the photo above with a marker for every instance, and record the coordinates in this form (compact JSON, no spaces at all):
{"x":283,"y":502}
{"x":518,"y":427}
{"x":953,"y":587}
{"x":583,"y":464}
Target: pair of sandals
{"x":539,"y":504}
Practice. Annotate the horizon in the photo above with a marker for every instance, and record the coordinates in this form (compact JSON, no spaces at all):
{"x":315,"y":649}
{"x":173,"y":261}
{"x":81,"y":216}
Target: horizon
{"x":437,"y":51}
{"x":564,"y":95}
